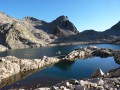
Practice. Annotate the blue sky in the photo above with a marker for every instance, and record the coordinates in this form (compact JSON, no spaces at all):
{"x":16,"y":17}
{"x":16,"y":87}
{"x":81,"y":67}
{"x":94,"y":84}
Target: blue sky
{"x":85,"y":14}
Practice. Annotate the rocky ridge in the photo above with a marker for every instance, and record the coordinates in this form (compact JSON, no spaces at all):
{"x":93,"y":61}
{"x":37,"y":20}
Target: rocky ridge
{"x":91,"y":36}
{"x":32,"y":32}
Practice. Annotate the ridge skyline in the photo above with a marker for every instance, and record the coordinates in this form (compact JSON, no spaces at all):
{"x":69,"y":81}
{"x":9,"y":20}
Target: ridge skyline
{"x":56,"y":19}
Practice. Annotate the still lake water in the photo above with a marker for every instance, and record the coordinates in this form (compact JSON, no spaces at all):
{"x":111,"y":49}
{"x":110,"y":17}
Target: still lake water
{"x":32,"y":53}
{"x":63,"y":70}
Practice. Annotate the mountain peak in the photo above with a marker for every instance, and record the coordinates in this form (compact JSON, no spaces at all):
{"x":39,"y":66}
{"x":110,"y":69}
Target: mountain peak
{"x":62,"y":18}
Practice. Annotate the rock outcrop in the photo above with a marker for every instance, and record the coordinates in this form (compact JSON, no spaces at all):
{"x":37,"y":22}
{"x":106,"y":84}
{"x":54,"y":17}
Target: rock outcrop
{"x":89,"y":51}
{"x":10,"y":65}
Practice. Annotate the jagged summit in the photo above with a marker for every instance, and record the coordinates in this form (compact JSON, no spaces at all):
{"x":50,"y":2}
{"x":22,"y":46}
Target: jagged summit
{"x":66,"y":27}
{"x":62,"y":18}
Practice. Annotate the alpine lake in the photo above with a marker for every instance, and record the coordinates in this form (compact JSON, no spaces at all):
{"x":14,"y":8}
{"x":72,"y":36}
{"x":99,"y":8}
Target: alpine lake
{"x":64,"y":70}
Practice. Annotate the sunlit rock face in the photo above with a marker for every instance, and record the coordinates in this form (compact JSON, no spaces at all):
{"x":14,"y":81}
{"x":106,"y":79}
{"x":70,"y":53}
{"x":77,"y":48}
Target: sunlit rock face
{"x":16,"y":34}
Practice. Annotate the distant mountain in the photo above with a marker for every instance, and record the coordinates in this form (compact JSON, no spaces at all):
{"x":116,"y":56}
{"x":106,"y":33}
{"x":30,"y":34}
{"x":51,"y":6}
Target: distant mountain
{"x":111,"y":35}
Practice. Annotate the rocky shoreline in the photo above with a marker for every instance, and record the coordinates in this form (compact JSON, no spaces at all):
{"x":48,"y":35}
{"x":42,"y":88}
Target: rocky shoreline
{"x":11,"y":65}
{"x":109,"y":81}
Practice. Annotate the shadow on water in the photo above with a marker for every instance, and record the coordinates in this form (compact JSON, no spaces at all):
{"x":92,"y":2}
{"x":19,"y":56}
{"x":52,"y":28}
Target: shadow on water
{"x":64,"y":65}
{"x":25,"y":81}
{"x":14,"y":78}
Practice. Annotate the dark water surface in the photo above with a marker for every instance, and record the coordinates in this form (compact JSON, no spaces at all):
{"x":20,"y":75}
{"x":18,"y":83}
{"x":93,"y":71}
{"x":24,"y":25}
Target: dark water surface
{"x":50,"y":51}
{"x":63,"y":70}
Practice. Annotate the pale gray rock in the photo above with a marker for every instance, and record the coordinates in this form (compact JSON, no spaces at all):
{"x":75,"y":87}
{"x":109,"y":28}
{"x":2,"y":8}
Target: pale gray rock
{"x":3,"y":48}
